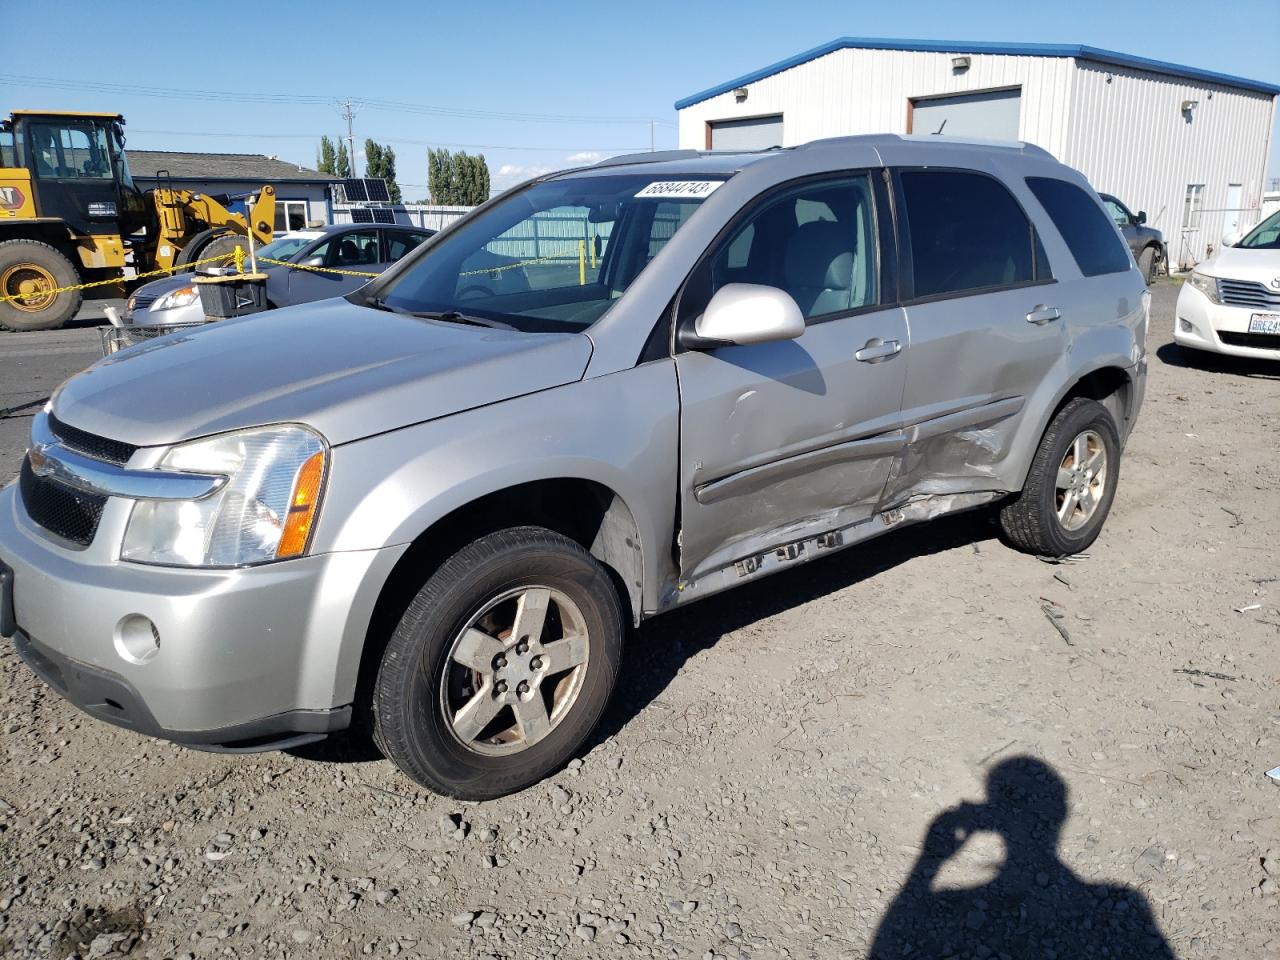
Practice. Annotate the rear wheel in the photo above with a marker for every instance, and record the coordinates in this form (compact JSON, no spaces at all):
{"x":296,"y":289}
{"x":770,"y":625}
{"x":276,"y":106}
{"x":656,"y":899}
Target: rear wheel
{"x":1070,"y":486}
{"x":501,"y":666}
{"x":1149,"y":264}
{"x":29,"y":273}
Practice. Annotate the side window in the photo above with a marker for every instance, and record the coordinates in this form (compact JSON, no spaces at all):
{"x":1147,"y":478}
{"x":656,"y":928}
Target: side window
{"x":398,"y":244}
{"x":356,"y":249}
{"x":1118,"y":213}
{"x":1092,"y":241}
{"x":967,"y":233}
{"x":817,"y":242}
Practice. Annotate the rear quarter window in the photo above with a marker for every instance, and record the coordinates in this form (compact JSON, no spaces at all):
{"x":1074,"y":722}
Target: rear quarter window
{"x":1089,"y":233}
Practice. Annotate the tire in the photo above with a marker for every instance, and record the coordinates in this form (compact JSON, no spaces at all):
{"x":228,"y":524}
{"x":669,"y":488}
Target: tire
{"x":213,"y":242}
{"x":1148,"y":264}
{"x":421,"y":690}
{"x":27,"y":262}
{"x":1031,"y":522}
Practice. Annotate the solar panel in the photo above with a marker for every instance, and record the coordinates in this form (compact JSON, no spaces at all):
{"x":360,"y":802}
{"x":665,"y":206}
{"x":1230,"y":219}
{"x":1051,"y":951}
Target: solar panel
{"x":361,"y":215}
{"x":384,"y":215}
{"x":376,"y":190}
{"x":355,"y":190}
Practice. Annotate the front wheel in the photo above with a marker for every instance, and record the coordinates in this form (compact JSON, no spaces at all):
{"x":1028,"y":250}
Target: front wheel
{"x":501,"y":666}
{"x":1149,"y":265}
{"x":1070,"y":485}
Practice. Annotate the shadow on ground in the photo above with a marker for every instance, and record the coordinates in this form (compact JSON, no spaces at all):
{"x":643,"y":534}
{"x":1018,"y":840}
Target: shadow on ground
{"x":1035,"y":907}
{"x":1176,"y":356}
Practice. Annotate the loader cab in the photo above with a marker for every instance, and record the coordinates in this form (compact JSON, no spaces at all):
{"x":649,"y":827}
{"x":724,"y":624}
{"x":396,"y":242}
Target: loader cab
{"x":79,"y":173}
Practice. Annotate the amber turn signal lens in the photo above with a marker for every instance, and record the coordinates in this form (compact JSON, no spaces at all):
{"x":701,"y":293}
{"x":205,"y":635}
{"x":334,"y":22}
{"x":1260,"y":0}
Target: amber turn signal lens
{"x":302,"y":507}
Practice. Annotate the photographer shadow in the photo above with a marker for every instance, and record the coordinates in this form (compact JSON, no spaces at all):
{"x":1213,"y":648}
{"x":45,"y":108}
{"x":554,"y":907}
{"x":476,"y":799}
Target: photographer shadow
{"x":1036,"y":907}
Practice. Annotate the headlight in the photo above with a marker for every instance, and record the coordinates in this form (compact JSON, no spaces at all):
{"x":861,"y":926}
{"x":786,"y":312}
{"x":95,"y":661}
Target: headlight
{"x":275,"y":477}
{"x":1205,"y":284}
{"x":182,"y":297}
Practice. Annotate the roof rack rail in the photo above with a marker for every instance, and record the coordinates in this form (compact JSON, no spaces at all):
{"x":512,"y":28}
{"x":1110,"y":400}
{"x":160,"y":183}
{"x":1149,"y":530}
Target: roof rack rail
{"x":651,"y":156}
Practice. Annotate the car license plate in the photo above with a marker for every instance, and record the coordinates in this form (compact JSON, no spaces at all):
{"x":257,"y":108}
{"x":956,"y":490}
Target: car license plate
{"x":1265,"y":323}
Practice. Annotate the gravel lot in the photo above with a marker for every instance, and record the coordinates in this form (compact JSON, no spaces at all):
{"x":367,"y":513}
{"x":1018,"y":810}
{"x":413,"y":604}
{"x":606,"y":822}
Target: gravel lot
{"x":790,"y":770}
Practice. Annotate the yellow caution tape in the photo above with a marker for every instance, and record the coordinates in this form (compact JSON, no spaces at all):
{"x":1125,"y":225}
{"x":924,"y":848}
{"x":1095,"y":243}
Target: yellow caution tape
{"x":25,"y":297}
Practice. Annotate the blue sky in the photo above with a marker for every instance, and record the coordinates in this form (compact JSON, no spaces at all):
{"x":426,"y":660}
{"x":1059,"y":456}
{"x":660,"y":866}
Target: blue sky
{"x":532,"y":86}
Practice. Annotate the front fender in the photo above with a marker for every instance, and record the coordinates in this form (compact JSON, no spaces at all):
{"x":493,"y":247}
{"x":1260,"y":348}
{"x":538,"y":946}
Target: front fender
{"x":619,"y":430}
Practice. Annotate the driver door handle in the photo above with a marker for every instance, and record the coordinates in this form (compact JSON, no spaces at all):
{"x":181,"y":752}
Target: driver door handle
{"x":1042,"y":314}
{"x":877,"y":350}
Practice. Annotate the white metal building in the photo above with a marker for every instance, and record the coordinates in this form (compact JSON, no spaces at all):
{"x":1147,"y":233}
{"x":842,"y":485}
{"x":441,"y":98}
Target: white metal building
{"x":1187,"y":146}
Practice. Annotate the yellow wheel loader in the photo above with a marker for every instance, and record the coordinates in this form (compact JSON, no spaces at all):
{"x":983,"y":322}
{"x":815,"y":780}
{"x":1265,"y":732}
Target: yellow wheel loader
{"x":71,"y":215}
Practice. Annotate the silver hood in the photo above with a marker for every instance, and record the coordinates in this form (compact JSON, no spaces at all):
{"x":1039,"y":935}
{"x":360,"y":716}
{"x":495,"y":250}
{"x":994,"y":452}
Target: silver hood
{"x":347,"y":371}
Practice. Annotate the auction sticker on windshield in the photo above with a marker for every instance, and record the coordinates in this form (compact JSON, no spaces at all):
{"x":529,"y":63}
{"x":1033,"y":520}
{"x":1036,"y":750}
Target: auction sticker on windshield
{"x":1264,"y":323}
{"x":680,"y":189}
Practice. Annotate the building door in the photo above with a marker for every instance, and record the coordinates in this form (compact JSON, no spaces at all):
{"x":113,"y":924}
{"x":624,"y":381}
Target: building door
{"x":1231,"y":216}
{"x":754,"y":133}
{"x":989,"y":115}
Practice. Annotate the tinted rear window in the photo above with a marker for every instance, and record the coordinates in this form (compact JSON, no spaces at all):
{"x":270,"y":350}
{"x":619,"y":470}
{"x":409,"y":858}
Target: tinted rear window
{"x":1089,"y":233}
{"x":967,"y":233}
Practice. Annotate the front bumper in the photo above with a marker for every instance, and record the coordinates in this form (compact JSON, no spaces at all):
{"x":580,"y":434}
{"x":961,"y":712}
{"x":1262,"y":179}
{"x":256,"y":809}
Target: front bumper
{"x":1209,"y":322}
{"x":249,"y":658}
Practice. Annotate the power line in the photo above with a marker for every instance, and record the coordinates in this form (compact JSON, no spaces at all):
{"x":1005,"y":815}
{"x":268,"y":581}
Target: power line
{"x":373,"y":103}
{"x":385,"y":139}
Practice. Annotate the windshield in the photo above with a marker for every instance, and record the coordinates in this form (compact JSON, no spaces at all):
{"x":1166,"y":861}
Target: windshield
{"x":284,"y":248}
{"x":1265,"y":236}
{"x":554,"y":257}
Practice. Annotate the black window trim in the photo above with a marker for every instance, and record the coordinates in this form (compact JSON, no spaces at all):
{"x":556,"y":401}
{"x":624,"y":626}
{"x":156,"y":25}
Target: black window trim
{"x":906,"y":291}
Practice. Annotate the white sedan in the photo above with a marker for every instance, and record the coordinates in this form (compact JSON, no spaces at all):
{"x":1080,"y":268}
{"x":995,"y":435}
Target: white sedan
{"x":1231,"y":302}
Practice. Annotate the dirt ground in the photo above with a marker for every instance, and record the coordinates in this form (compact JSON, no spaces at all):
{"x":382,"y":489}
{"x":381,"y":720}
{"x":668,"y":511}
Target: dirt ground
{"x":790,"y":770}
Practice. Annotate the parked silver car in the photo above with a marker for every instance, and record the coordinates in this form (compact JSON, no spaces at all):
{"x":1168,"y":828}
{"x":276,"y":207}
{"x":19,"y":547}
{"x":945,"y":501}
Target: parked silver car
{"x":348,"y":252}
{"x":440,"y":513}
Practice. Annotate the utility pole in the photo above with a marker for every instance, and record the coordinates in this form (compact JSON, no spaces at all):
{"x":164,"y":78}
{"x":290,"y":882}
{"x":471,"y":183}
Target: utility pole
{"x":348,"y":114}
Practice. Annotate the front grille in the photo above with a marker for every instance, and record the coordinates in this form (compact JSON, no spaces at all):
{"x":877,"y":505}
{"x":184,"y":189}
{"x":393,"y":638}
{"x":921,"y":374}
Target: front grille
{"x":1246,"y":293}
{"x":141,"y":301}
{"x":58,"y":508}
{"x":91,"y":445}
{"x":1259,"y":341}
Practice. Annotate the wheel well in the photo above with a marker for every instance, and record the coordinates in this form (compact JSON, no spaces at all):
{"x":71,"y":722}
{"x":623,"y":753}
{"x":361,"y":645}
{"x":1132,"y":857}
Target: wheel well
{"x":586,"y":512}
{"x":1111,"y":387}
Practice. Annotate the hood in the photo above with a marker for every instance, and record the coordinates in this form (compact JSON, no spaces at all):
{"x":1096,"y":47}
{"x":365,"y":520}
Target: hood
{"x":348,"y":371}
{"x":1244,"y":263}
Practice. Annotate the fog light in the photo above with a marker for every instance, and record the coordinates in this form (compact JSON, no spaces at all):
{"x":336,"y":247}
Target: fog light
{"x":1185,"y":325}
{"x":137,"y":639}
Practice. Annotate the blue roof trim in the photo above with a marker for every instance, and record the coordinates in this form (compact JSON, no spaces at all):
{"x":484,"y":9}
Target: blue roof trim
{"x":1094,"y":54}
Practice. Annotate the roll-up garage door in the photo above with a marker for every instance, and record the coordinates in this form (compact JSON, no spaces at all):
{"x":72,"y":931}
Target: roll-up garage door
{"x":991,"y":115}
{"x":756,"y":133}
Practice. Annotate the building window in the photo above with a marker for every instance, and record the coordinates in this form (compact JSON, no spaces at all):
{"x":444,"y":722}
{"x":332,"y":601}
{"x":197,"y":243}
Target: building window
{"x":1191,"y":209}
{"x":291,"y":215}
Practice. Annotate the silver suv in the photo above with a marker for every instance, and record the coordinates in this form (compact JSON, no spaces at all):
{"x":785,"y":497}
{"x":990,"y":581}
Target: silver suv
{"x":436,"y":506}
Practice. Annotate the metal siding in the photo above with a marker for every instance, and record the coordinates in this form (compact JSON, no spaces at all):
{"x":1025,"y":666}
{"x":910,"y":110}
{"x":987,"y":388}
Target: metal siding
{"x":867,"y":91}
{"x":1127,"y":134}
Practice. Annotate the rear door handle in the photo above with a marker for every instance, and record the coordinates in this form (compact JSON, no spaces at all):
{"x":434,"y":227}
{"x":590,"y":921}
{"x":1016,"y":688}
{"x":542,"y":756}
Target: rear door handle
{"x":877,"y":350}
{"x":1042,"y":314}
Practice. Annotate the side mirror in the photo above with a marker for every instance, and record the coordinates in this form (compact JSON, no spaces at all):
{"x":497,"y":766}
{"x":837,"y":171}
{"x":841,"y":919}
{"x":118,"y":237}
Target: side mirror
{"x":312,"y":262}
{"x":743,"y":313}
{"x":1232,"y":238}
{"x":1141,"y":218}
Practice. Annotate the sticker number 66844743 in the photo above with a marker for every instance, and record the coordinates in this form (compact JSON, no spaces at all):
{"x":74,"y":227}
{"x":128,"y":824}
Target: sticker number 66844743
{"x":680,"y":189}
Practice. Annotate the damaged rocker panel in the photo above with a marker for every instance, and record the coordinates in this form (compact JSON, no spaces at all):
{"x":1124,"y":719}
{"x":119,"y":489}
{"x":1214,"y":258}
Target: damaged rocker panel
{"x":756,"y":565}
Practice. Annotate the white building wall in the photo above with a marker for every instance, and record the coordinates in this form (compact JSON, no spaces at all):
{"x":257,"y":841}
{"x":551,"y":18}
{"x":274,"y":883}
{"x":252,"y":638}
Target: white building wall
{"x":1128,"y":135}
{"x":868,"y":91}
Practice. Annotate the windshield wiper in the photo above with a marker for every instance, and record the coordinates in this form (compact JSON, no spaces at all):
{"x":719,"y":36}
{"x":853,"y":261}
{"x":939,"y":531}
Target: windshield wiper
{"x":448,"y":316}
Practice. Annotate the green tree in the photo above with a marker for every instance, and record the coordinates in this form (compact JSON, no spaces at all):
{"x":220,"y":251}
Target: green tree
{"x":380,"y":162}
{"x":457,"y":178}
{"x":342,"y":165}
{"x":326,"y":157}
